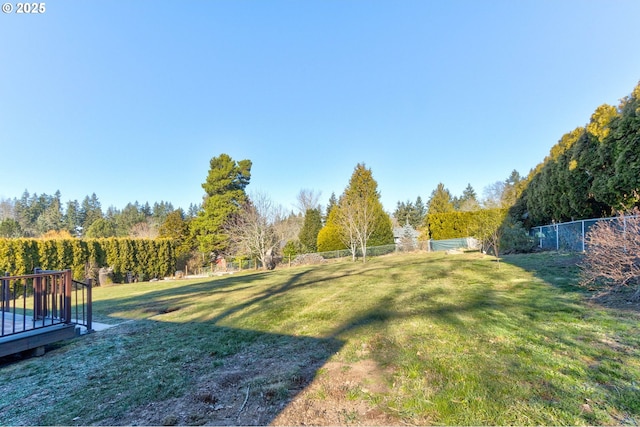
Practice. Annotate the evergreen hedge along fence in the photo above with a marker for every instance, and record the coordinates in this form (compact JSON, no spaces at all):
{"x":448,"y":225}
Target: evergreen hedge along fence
{"x":457,"y":225}
{"x":144,"y":258}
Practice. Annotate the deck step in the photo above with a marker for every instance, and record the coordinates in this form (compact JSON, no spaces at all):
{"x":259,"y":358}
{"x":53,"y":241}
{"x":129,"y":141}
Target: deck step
{"x":35,"y":338}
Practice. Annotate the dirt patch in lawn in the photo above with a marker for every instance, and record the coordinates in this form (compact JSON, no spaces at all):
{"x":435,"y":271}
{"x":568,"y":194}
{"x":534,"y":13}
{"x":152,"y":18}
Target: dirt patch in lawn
{"x":340,"y":394}
{"x":260,"y":386}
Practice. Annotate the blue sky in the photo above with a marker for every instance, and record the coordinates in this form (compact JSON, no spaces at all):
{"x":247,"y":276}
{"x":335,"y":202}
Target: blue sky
{"x":131,"y":99}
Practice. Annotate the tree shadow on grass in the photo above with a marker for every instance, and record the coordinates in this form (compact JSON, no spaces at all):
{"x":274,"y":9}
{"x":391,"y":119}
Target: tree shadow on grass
{"x":159,"y":371}
{"x":168,"y":300}
{"x":526,"y":342}
{"x":162,"y":373}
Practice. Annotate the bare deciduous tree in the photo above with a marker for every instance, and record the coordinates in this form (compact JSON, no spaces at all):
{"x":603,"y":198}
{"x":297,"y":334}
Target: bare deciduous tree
{"x":612,"y":257}
{"x":144,"y":230}
{"x":256,"y":230}
{"x":360,"y":212}
{"x":347,"y":220}
{"x":307,"y":199}
{"x":488,"y":228}
{"x":493,"y":195}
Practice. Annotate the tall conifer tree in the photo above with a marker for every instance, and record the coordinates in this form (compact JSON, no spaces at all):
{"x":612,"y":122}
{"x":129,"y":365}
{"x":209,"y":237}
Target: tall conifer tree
{"x":225,"y":194}
{"x":361,"y":216}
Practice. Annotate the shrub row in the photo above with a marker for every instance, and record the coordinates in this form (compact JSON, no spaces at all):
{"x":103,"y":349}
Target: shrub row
{"x":144,"y":258}
{"x":452,"y":225}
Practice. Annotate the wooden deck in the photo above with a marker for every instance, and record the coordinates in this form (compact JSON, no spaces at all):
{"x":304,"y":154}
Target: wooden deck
{"x":17,"y":323}
{"x":36,"y":339}
{"x":58,"y":303}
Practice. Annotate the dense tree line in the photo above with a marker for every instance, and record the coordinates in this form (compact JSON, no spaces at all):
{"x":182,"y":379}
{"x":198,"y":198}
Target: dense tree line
{"x":591,"y":172}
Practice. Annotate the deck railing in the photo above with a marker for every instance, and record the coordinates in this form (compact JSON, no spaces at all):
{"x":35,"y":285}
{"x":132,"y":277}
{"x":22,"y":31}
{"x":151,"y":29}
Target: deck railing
{"x":43,"y":299}
{"x":81,"y":304}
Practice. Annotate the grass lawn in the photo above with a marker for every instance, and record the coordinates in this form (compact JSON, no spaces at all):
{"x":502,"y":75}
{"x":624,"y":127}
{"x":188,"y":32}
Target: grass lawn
{"x":404,"y":339}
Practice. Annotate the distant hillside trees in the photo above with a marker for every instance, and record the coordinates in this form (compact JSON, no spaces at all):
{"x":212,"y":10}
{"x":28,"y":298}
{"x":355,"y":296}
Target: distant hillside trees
{"x":411,"y":213}
{"x":10,"y":228}
{"x":91,"y":210}
{"x":34,"y":215}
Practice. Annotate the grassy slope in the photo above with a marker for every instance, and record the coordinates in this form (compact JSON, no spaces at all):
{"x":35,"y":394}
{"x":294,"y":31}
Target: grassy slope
{"x":461,"y":339}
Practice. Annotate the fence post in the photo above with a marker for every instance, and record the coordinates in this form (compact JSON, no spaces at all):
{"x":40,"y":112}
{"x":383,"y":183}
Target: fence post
{"x":557,"y":237}
{"x":582,"y":235}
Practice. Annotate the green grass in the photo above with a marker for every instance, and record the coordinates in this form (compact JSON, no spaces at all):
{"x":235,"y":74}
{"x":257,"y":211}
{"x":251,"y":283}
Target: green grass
{"x":461,"y":339}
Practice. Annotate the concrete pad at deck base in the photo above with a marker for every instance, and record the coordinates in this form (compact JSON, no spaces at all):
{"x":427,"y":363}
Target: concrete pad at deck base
{"x":95,"y":326}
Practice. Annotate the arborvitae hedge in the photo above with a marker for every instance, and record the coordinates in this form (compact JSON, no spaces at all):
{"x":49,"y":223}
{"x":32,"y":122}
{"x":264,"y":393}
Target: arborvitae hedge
{"x":451,"y":225}
{"x":455,"y":225}
{"x":143,"y":257}
{"x":18,"y":256}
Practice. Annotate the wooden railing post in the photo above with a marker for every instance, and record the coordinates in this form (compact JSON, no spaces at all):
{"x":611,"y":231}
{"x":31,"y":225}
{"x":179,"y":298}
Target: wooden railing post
{"x":37,"y":295}
{"x":89,"y":306}
{"x":68,"y":284}
{"x":6,"y":300}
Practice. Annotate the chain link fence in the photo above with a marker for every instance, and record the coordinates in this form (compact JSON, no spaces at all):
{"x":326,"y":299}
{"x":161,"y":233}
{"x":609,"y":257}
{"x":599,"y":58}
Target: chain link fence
{"x":233,"y":265}
{"x":567,"y":236}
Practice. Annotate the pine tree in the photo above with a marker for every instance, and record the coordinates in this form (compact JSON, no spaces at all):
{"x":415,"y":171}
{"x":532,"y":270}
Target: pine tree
{"x":72,"y":218}
{"x":420,"y":212}
{"x":404,"y":212}
{"x":333,"y":202}
{"x":91,"y":211}
{"x":440,"y":201}
{"x":513,"y":187}
{"x":310,"y":228}
{"x":469,"y":200}
{"x":225,"y":194}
